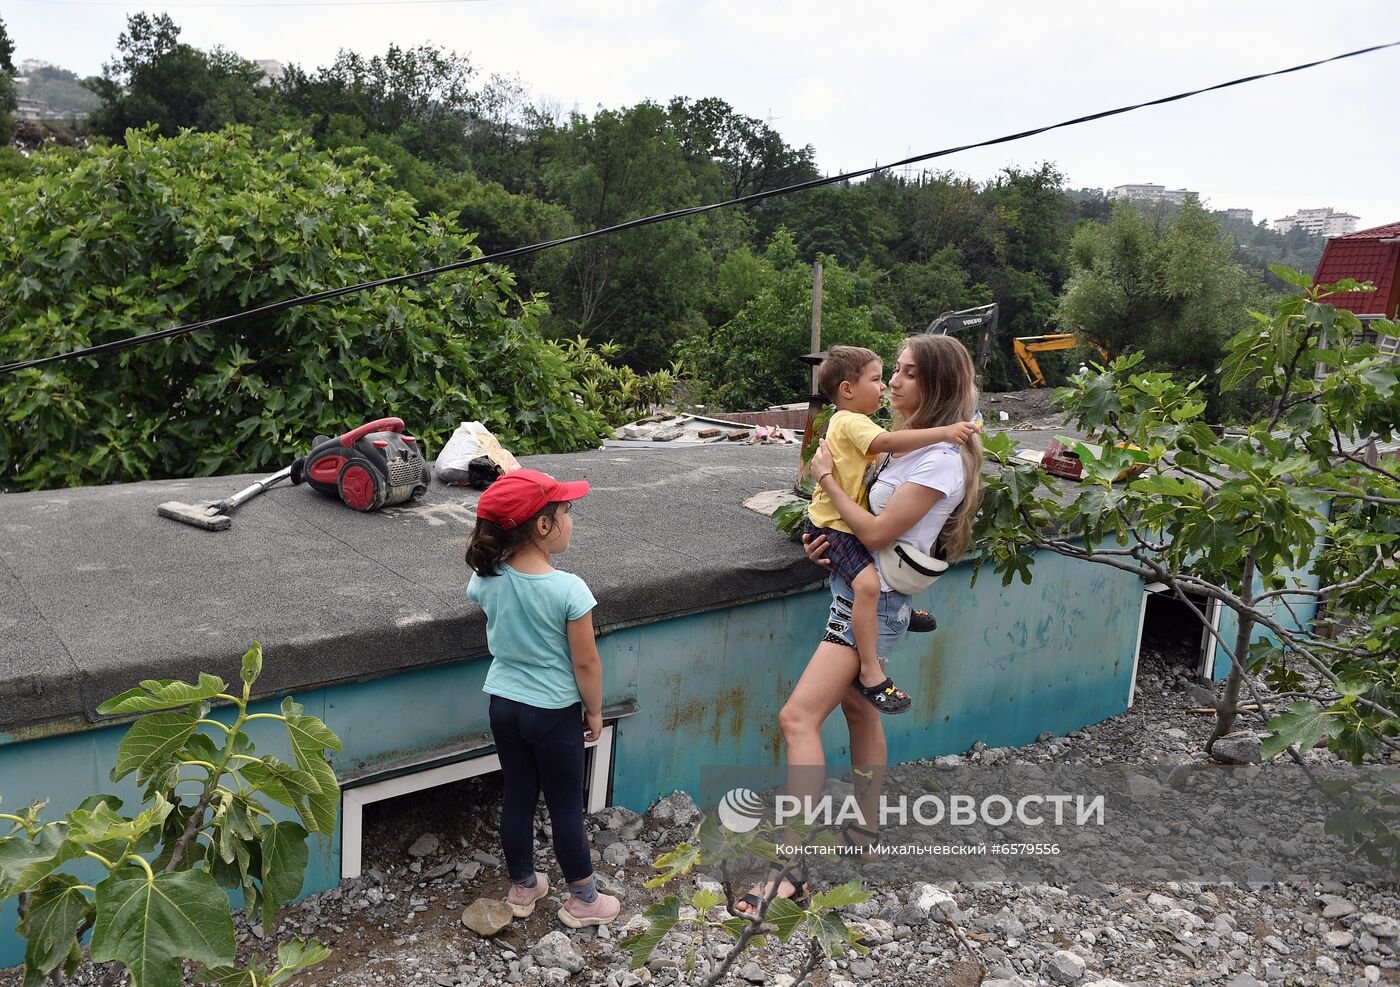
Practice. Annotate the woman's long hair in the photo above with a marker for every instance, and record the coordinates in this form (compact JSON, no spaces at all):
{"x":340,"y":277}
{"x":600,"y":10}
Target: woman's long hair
{"x":949,"y":388}
{"x":492,"y":544}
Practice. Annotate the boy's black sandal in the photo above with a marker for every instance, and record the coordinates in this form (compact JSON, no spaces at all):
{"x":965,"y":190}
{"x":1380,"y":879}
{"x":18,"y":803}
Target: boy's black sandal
{"x":795,"y":876}
{"x":921,"y":622}
{"x":886,"y":697}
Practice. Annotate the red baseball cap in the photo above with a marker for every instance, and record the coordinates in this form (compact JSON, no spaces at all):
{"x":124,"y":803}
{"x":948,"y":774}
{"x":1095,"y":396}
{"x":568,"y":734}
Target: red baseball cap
{"x":521,"y":494}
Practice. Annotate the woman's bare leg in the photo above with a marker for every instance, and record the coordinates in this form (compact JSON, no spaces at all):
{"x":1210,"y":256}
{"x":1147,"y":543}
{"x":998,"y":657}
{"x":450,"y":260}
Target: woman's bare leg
{"x":868,"y":756}
{"x":826,"y":682}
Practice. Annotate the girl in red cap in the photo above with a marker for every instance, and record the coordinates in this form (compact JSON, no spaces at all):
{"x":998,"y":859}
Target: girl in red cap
{"x":545,"y":682}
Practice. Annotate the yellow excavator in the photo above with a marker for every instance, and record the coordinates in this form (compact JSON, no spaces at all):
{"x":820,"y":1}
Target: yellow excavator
{"x":1027,"y":347}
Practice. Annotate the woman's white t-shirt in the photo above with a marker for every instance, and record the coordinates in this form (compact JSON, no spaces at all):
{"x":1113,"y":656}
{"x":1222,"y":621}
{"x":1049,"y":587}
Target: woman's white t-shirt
{"x":938,"y":467}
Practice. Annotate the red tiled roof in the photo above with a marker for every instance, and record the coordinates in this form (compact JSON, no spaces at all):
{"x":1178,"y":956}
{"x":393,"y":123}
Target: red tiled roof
{"x":1386,"y":232}
{"x":1364,"y":256}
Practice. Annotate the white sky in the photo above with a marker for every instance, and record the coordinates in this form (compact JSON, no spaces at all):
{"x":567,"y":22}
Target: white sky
{"x":865,"y":83}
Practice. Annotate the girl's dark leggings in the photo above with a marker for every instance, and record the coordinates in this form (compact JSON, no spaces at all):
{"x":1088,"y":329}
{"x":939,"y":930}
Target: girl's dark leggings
{"x":541,"y":750}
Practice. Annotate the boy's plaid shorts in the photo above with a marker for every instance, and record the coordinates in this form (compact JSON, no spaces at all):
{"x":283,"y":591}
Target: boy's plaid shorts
{"x":844,"y":551}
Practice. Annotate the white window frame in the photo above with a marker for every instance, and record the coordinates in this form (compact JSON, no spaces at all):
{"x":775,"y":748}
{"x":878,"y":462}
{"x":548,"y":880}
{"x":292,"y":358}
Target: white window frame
{"x":597,"y":775}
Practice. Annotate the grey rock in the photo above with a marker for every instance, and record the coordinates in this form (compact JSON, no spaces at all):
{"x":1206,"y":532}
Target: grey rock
{"x":615,"y":855}
{"x":1339,"y":939}
{"x":930,"y":898}
{"x":863,"y":969}
{"x":1277,"y":945}
{"x":1200,"y":695}
{"x":1066,"y":967}
{"x":441,"y":870}
{"x":486,"y":859}
{"x":556,"y":951}
{"x":1142,"y":787}
{"x":1182,"y":920}
{"x":1380,"y":926}
{"x":1006,"y":923}
{"x":676,"y":809}
{"x":1327,"y":965}
{"x":1012,"y":981}
{"x":467,"y":870}
{"x":1160,"y":902}
{"x":1335,"y":906}
{"x":911,"y":915}
{"x":423,"y":846}
{"x":1244,"y":980}
{"x":487,"y":916}
{"x":1241,"y":747}
{"x":753,"y":973}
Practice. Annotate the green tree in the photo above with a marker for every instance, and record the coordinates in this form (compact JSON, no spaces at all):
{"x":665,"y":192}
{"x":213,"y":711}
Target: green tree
{"x":837,"y":221}
{"x":919,"y":292}
{"x":1238,"y":517}
{"x":157,"y":79}
{"x":136,"y":237}
{"x":7,"y":88}
{"x":1161,"y":284}
{"x":751,"y":155}
{"x":421,"y":96}
{"x":753,"y":359}
{"x":507,"y":136}
{"x":634,"y":287}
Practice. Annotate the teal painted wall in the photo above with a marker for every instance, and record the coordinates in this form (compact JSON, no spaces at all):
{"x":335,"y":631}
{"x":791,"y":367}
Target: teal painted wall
{"x":1298,"y":613}
{"x":1004,"y":665}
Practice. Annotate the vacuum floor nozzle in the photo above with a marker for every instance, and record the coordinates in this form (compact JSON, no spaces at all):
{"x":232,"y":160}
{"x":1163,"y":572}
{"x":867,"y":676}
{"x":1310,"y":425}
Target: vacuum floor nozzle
{"x":210,"y":517}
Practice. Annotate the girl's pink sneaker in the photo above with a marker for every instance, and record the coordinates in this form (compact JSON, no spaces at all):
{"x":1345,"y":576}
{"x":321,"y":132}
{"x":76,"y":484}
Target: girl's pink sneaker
{"x":522,"y":899}
{"x":575,"y":914}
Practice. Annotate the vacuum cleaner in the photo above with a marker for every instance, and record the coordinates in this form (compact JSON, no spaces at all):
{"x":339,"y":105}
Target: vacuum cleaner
{"x":373,"y":466}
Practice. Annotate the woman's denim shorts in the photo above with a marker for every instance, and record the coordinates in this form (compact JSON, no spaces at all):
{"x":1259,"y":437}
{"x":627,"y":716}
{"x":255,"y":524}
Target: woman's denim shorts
{"x":891,"y":617}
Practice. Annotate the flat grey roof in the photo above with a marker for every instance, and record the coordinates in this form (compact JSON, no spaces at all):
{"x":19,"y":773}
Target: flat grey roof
{"x":97,"y":592}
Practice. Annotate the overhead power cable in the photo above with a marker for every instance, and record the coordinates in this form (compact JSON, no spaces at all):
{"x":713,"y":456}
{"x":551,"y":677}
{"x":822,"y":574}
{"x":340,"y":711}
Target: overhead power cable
{"x":256,"y":3}
{"x":504,"y":255}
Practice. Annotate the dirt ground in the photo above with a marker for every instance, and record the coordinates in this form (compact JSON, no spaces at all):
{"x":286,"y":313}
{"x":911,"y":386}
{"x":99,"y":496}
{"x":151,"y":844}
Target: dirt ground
{"x":1032,"y":407}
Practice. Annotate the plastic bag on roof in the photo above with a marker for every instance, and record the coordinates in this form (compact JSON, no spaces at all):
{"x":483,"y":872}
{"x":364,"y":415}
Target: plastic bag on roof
{"x":473,"y":457}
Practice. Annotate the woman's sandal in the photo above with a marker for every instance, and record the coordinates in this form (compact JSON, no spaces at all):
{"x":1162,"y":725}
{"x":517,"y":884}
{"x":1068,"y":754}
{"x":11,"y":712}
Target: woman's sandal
{"x":867,"y":841}
{"x":795,"y":876}
{"x":886,"y":697}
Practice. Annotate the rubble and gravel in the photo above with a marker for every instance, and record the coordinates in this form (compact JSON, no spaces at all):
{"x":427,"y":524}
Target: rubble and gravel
{"x":1030,"y":408}
{"x":430,"y":855}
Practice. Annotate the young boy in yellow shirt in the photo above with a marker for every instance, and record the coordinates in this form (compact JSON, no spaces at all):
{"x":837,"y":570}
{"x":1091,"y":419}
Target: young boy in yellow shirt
{"x":852,"y":378}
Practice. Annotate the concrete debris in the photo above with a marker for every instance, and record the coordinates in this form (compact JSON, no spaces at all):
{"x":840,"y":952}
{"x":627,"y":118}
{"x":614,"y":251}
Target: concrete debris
{"x":424,"y":846}
{"x":1153,"y":933}
{"x":487,"y":916}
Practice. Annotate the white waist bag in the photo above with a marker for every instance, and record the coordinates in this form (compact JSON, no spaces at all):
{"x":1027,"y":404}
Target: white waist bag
{"x":908,"y":570}
{"x":906,"y":567}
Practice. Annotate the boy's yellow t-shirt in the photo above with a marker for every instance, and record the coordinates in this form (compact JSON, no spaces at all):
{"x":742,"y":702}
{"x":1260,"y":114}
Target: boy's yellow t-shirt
{"x":848,"y":436}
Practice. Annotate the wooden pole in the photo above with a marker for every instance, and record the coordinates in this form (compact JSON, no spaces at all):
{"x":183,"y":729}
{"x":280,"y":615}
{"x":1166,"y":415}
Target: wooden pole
{"x":814,"y":403}
{"x":816,"y":317}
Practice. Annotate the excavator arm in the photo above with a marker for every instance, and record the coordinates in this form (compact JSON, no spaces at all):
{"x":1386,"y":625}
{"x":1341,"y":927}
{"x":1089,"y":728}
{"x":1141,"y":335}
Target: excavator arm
{"x":1027,"y":346}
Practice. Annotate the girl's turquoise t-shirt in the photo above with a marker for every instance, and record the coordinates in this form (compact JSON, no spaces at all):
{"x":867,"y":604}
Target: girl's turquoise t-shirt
{"x":526,"y":632}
